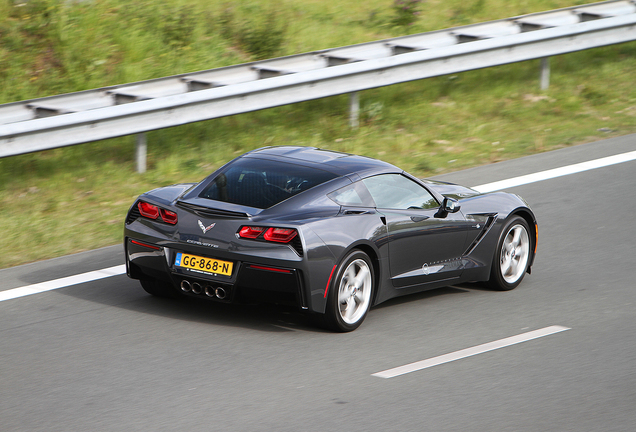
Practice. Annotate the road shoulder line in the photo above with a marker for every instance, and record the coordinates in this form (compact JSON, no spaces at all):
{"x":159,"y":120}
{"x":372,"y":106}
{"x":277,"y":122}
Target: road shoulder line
{"x":556,"y":172}
{"x":62,"y":282}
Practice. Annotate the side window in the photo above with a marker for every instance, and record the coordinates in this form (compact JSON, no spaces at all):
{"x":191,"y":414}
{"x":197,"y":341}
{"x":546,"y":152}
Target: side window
{"x":354,"y":195}
{"x":394,"y":191}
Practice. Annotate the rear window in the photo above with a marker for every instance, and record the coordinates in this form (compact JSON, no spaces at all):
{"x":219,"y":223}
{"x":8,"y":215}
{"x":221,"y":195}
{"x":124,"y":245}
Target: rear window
{"x":262,"y":183}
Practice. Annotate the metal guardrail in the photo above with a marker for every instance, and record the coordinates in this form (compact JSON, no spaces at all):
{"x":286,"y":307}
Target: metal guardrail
{"x":91,"y":115}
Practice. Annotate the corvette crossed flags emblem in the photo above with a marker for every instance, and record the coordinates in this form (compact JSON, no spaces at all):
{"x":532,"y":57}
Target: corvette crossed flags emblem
{"x":205,"y":228}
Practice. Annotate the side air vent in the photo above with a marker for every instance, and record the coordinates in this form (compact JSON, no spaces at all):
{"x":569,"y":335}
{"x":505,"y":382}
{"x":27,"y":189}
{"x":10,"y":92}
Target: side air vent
{"x":133,"y":214}
{"x":490,"y":221}
{"x":297,"y":245}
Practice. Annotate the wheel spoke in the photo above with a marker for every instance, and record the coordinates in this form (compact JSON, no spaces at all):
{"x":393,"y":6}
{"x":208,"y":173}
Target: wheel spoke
{"x":505,"y":265}
{"x":514,"y":264}
{"x":508,"y":246}
{"x":344,"y":294}
{"x":360,"y":277}
{"x":521,"y":252}
{"x":359,"y":297}
{"x":516,"y":236}
{"x":351,"y":308}
{"x":351,"y":275}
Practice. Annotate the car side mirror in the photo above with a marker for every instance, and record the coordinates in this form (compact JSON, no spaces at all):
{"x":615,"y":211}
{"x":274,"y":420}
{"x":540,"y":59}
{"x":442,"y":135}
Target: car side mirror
{"x":449,"y":205}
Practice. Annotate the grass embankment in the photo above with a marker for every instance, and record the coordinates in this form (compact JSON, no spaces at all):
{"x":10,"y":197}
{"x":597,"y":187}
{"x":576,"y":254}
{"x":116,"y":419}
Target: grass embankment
{"x":72,"y":199}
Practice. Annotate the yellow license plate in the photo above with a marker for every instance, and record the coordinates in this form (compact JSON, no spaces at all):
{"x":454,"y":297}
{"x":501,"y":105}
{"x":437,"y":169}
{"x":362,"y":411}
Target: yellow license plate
{"x":202,"y":264}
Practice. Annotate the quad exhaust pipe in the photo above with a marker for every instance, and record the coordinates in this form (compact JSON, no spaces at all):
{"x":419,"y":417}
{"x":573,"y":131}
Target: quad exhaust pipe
{"x":209,"y":290}
{"x":197,"y":288}
{"x":218,"y":292}
{"x":186,"y":286}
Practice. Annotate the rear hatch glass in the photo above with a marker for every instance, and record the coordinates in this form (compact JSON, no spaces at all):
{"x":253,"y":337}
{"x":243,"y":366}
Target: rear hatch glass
{"x":262,"y":183}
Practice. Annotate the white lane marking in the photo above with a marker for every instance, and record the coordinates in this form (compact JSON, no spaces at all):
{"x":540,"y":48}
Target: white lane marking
{"x":557,"y":172}
{"x":62,"y":282}
{"x":468,"y":352}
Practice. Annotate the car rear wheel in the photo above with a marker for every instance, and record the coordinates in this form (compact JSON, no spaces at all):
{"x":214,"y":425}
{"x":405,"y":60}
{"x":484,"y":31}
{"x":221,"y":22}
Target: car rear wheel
{"x":159,"y":288}
{"x":512,"y":255}
{"x":350,"y":293}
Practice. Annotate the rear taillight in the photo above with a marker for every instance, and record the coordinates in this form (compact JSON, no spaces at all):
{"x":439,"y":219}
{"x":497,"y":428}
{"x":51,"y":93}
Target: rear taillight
{"x":151,"y":211}
{"x":278,"y":235}
{"x":169,"y":216}
{"x":249,"y":232}
{"x":148,"y":210}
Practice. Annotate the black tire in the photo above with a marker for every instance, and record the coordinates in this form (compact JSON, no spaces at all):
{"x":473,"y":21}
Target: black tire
{"x":351,"y":293}
{"x":512,"y":255}
{"x":159,"y":288}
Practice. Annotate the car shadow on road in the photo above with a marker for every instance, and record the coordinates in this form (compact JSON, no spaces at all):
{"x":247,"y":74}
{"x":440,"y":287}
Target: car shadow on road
{"x":127,"y":294}
{"x":124,"y":293}
{"x":455,"y":289}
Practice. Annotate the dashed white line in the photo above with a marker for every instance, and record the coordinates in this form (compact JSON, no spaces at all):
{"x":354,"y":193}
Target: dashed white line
{"x":468,"y":352}
{"x":556,"y":172}
{"x":62,"y":282}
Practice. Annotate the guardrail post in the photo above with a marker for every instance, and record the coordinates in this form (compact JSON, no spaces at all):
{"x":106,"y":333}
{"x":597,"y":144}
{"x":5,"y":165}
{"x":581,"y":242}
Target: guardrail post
{"x":545,"y":73}
{"x":142,"y":149}
{"x":354,"y":110}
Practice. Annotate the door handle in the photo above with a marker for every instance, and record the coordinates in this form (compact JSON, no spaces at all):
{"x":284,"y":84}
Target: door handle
{"x":419,"y":218}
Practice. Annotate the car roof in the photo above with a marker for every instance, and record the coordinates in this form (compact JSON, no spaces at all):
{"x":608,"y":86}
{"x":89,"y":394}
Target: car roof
{"x":328,"y":160}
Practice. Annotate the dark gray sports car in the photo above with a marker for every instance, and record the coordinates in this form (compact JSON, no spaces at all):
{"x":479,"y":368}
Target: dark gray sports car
{"x":332,"y":233}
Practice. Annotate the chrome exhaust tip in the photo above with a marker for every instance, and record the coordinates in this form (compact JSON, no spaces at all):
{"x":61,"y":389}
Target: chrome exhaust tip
{"x":197,"y":288}
{"x":186,"y":286}
{"x":210,"y":291}
{"x":220,"y":293}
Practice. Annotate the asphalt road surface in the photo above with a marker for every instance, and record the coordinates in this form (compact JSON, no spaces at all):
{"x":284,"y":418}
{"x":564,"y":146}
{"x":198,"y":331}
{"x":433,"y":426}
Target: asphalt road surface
{"x":104,"y":356}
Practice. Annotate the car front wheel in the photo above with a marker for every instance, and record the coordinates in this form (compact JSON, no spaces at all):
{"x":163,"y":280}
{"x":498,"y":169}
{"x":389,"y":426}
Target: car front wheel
{"x":512,"y":256}
{"x":350,"y":293}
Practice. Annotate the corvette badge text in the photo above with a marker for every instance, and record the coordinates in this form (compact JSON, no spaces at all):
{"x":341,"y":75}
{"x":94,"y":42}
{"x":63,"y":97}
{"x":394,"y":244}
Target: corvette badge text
{"x":201,"y":243}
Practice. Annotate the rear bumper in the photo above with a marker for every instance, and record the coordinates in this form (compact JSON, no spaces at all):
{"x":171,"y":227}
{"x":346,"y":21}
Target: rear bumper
{"x":250,"y":280}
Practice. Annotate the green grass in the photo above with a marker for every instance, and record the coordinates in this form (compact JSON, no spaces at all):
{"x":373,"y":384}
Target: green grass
{"x":67,"y":200}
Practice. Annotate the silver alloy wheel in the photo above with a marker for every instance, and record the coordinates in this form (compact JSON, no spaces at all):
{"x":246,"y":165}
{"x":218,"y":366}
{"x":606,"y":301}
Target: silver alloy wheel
{"x":354,"y":291}
{"x":515,"y":251}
